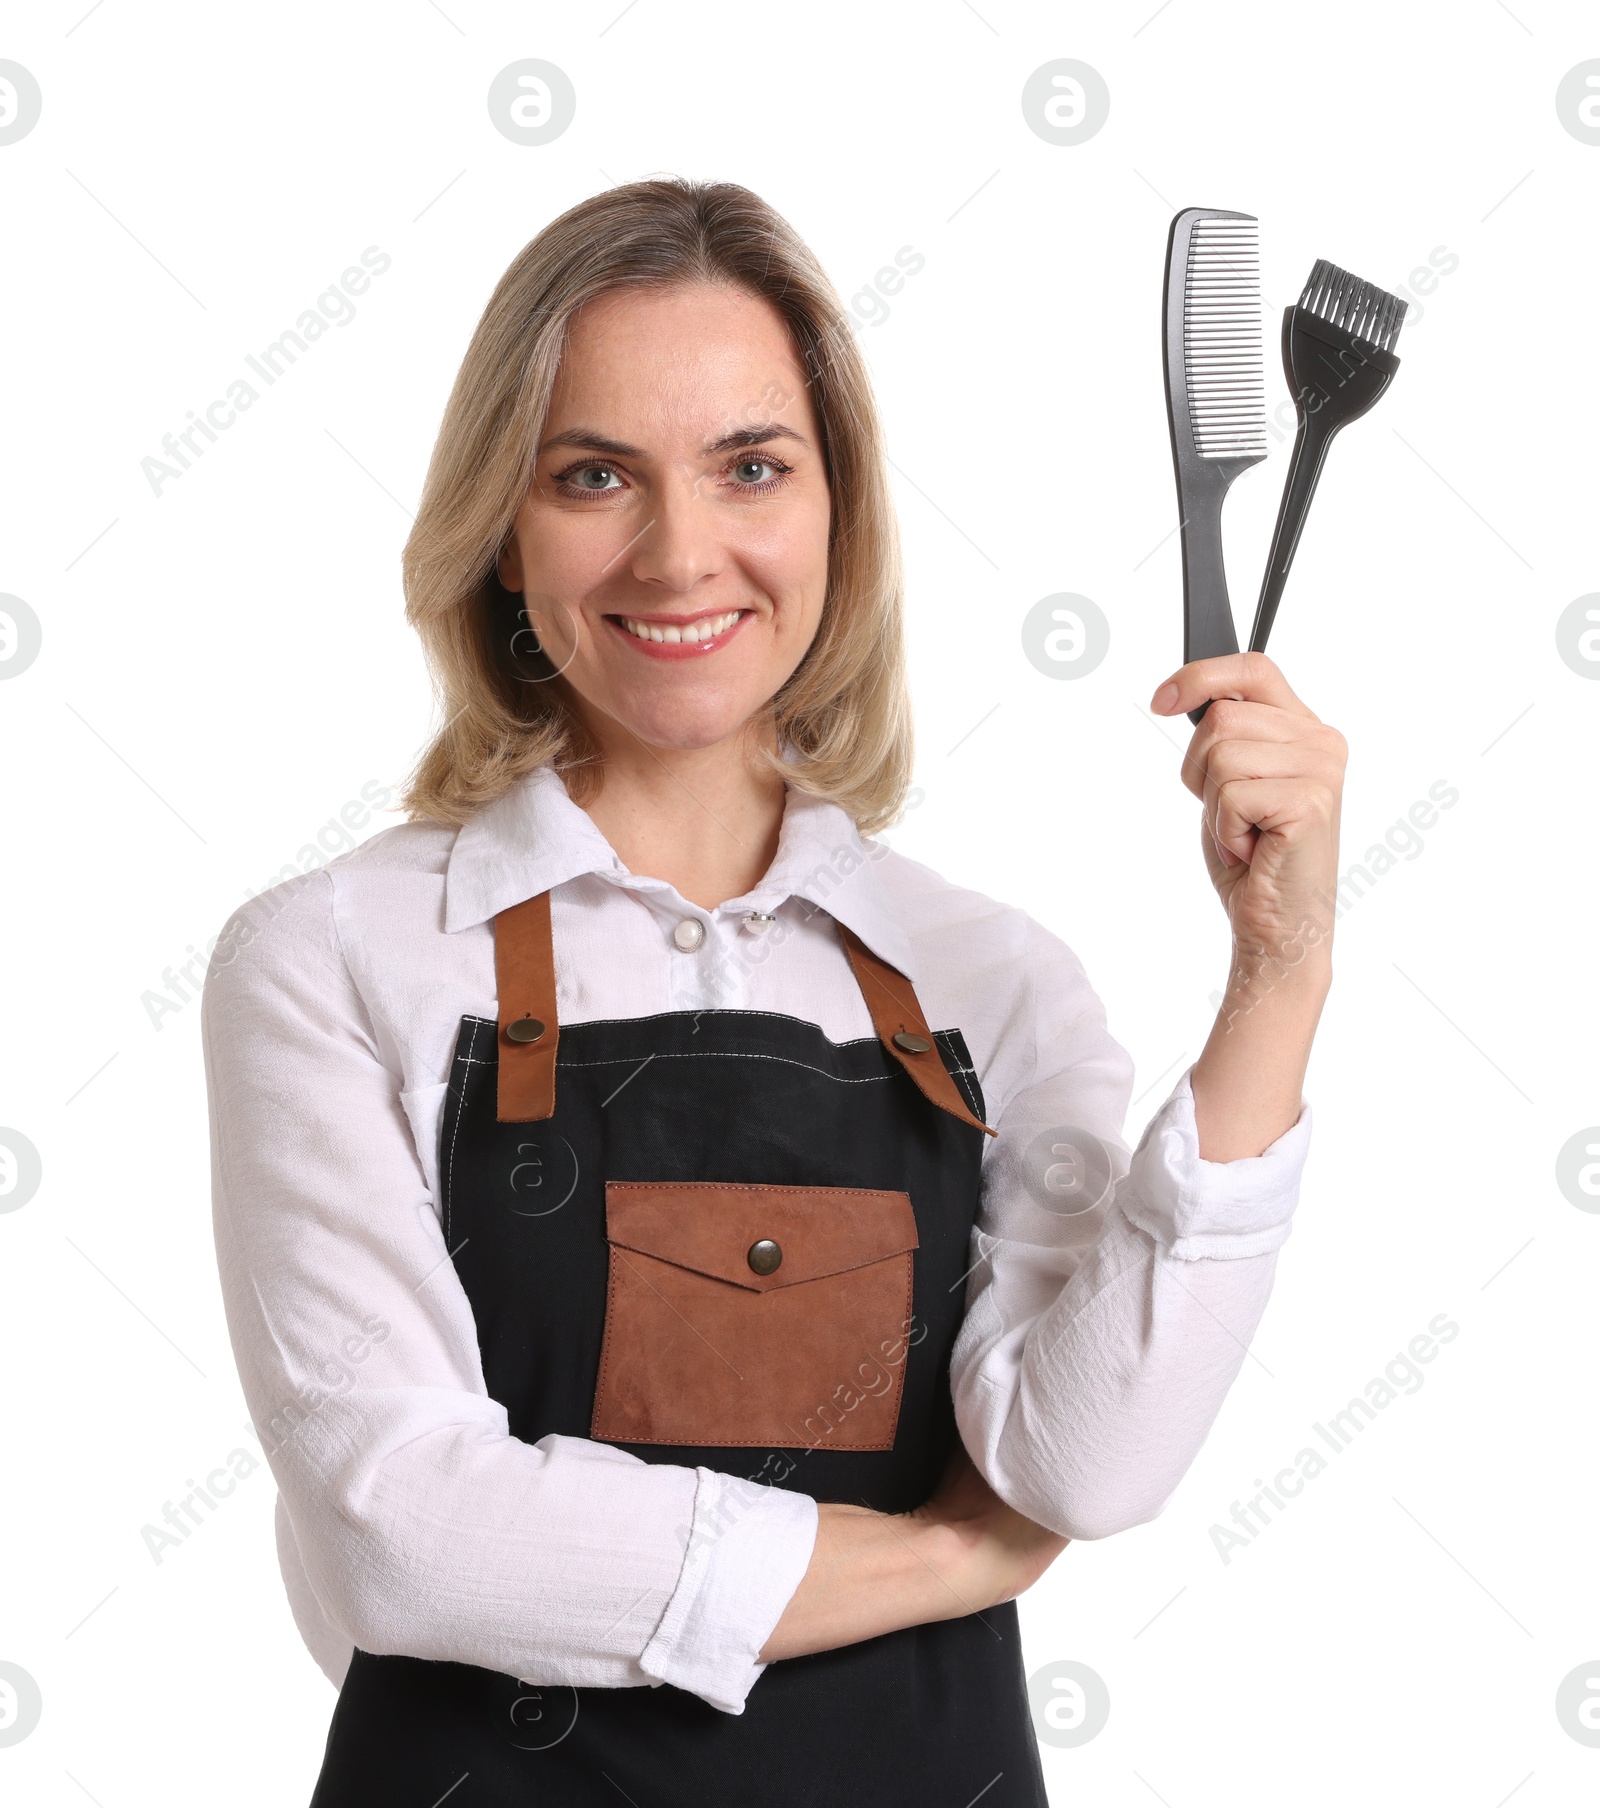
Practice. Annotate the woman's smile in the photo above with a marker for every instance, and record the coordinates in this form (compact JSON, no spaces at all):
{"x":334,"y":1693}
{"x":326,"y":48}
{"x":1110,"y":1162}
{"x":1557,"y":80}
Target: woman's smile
{"x":680,"y":636}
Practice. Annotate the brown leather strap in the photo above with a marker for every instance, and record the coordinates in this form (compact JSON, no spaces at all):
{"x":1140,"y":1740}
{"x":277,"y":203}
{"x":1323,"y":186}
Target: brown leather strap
{"x":525,"y":979}
{"x":892,"y":1000}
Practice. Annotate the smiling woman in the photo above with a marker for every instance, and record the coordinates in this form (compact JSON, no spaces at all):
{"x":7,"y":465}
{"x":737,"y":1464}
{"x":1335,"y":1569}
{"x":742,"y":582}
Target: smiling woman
{"x":693,"y":339}
{"x":756,"y":1336}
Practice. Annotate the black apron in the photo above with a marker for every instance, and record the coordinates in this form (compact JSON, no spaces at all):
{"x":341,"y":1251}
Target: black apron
{"x":633,"y":1217}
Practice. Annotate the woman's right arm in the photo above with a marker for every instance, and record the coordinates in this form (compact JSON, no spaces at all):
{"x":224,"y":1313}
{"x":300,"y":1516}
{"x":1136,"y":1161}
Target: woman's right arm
{"x":424,"y":1527}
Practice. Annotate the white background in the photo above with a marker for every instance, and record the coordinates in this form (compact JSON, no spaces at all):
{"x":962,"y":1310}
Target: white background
{"x":225,"y":665}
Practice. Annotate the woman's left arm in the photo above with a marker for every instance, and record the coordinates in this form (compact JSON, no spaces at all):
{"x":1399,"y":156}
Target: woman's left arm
{"x":1112,"y":1301}
{"x":1269,"y":776}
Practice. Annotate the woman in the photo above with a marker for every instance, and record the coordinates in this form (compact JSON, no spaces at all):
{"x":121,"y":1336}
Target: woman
{"x":636,"y":1192}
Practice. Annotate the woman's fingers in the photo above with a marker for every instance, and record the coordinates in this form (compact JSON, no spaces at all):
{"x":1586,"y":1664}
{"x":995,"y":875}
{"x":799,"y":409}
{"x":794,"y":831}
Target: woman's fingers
{"x":1247,"y":677}
{"x":1232,"y":720}
{"x":1249,"y":735}
{"x":1320,"y":759}
{"x":1240,"y":810}
{"x":1264,"y":766}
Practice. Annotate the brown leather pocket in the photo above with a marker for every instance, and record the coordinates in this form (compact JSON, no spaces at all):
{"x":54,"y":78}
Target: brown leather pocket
{"x":703,"y":1347}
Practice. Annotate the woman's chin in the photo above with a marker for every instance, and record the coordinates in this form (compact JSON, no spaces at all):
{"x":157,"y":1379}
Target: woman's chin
{"x":684,"y":725}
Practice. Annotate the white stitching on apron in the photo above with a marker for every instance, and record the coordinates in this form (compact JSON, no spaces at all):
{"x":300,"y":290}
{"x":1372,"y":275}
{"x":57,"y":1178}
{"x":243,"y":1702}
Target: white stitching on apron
{"x":455,"y":1131}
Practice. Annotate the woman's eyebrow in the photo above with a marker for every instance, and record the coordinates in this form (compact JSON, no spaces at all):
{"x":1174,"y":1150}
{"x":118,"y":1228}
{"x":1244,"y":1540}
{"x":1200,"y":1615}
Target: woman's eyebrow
{"x":752,"y":436}
{"x":585,"y":439}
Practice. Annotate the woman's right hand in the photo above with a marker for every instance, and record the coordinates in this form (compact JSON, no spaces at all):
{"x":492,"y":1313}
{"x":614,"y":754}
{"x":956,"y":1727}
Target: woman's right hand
{"x":1005,"y":1553}
{"x":961,"y":1552}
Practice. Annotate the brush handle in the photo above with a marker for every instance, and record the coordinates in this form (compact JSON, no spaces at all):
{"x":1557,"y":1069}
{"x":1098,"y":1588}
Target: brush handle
{"x":1208,"y":628}
{"x":1311,"y":445}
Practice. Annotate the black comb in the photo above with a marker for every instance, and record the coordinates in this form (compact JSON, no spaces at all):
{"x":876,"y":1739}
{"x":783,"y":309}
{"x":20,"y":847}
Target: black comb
{"x":1216,"y":403}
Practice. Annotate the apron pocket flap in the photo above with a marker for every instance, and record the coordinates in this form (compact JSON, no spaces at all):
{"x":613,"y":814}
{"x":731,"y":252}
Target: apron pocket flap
{"x":726,"y":1231}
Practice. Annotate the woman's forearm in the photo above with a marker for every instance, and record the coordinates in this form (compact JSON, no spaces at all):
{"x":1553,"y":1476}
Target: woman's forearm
{"x":1249,"y":1077}
{"x":870,"y":1573}
{"x":963,"y":1552}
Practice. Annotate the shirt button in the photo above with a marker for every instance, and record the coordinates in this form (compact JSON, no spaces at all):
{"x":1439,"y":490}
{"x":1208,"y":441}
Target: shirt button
{"x":689,"y":934}
{"x":757,"y":922}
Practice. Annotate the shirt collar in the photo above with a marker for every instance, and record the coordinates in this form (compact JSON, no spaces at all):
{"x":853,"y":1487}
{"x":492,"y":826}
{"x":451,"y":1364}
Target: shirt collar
{"x":534,"y":837}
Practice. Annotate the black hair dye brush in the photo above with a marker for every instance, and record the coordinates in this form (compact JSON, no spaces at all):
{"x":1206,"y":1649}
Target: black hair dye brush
{"x":1338,"y":354}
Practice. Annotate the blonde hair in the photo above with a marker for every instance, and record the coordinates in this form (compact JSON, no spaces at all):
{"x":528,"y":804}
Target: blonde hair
{"x":844,"y":714}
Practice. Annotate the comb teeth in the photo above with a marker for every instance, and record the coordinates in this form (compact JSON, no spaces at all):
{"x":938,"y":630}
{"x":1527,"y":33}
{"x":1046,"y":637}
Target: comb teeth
{"x":1222,"y":340}
{"x":1360,"y":308}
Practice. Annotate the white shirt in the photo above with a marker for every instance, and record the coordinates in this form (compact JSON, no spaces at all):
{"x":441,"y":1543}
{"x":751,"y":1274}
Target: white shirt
{"x":1097,"y":1346}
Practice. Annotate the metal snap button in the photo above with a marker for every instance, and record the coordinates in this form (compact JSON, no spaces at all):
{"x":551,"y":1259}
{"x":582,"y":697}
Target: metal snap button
{"x":524,"y":1029}
{"x":764,"y":1256}
{"x":912,"y":1044}
{"x":689,"y":934}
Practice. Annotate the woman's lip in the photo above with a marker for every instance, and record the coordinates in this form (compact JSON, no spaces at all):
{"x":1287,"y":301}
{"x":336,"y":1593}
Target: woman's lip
{"x":682,"y":649}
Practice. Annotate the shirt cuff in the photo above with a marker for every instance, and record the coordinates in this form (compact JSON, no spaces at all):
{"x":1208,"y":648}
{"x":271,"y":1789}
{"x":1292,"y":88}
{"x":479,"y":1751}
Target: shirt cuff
{"x":1195,"y":1208}
{"x":749,"y":1546}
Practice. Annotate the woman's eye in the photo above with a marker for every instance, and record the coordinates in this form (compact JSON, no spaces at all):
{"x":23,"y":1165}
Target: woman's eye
{"x":594,"y":477}
{"x":749,"y":470}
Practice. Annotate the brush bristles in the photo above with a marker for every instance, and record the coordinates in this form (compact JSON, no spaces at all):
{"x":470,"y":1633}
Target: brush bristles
{"x":1360,"y":308}
{"x":1222,"y":340}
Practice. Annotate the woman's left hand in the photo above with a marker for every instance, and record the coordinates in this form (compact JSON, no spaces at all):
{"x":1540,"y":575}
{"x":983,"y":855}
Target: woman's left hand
{"x":1270,"y":775}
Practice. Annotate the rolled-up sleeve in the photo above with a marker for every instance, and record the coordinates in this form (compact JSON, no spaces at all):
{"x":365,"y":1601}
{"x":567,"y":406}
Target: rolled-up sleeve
{"x":1113,"y":1293}
{"x":421,"y":1526}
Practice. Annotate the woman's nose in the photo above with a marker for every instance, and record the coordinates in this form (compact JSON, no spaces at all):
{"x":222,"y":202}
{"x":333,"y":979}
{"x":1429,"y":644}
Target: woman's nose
{"x":680,"y":543}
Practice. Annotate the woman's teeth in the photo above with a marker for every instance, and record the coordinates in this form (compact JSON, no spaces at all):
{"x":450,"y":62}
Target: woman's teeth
{"x":705,"y":629}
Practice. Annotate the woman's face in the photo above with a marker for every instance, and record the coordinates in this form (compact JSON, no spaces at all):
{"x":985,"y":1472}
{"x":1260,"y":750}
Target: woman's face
{"x":673,"y":545}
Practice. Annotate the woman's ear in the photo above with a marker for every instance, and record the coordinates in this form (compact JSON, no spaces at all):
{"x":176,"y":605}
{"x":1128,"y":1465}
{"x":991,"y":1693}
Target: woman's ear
{"x":509,"y":564}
